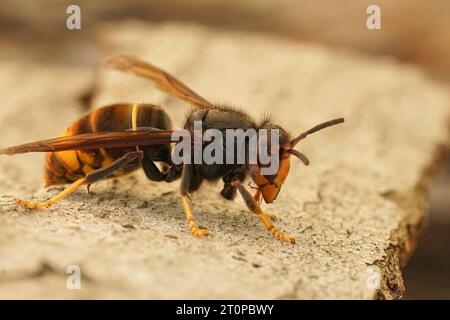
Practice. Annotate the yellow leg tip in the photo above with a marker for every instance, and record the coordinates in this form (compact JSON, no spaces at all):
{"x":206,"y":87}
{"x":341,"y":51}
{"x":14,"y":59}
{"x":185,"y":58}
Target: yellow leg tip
{"x":198,"y":232}
{"x":266,"y":219}
{"x":32,"y":205}
{"x":283,"y":236}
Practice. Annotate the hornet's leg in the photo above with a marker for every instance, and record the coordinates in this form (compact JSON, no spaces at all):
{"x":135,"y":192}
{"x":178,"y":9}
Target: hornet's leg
{"x":257,"y":196}
{"x":151,"y":170}
{"x":169,"y":173}
{"x":270,"y":215}
{"x":87,"y":180}
{"x":229,"y":191}
{"x":186,"y":177}
{"x":253,"y":205}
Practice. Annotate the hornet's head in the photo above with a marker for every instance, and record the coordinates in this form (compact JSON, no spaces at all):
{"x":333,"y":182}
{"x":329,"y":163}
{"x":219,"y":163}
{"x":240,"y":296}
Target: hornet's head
{"x":269,"y":185}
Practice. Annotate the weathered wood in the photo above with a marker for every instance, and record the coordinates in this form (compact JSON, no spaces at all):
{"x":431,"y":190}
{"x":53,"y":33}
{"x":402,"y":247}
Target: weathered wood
{"x":360,"y":203}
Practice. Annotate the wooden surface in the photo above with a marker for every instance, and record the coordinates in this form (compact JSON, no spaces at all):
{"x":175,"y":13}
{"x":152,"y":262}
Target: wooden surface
{"x":360,"y":204}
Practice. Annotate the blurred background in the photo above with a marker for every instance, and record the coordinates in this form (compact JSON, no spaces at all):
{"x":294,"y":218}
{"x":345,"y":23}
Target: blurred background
{"x":413,"y":32}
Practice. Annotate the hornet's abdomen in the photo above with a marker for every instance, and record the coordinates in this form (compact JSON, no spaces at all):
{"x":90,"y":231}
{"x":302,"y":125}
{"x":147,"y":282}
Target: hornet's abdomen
{"x":69,"y":166}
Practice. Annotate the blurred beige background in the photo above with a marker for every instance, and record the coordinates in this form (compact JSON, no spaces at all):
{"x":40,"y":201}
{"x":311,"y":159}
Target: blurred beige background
{"x":413,"y":31}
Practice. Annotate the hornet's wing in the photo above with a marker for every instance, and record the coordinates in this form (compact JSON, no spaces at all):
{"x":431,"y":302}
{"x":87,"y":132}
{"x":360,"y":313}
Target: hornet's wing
{"x":106,"y":140}
{"x":163,"y":80}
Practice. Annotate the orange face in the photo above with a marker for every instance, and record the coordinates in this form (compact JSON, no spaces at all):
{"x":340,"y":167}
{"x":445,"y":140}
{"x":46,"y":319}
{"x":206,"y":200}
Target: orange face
{"x":271,"y":187}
